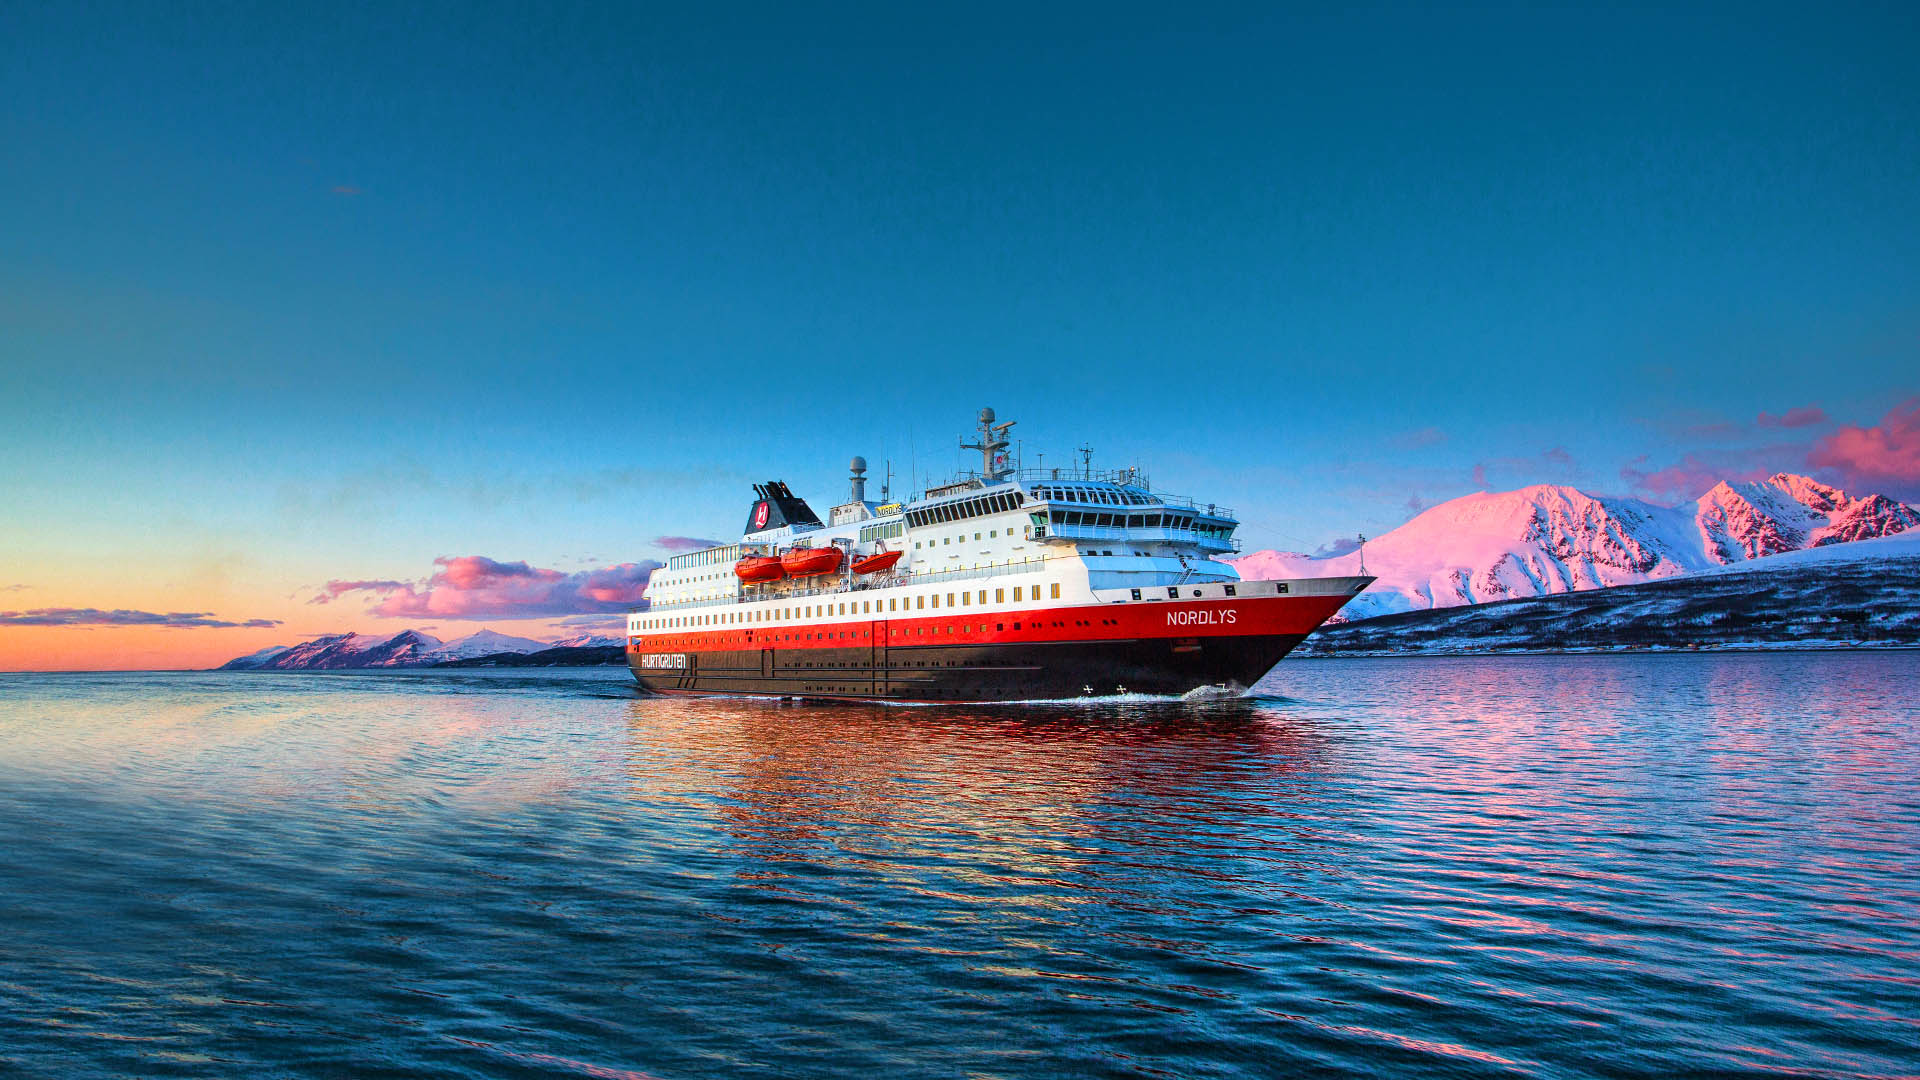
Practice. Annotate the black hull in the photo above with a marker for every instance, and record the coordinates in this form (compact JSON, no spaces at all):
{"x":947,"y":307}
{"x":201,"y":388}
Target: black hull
{"x":973,"y":673}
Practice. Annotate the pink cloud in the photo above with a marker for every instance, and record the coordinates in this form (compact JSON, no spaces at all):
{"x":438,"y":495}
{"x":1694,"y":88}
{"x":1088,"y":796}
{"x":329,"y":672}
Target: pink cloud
{"x":1687,"y":480}
{"x":476,"y":587}
{"x":1556,"y":461}
{"x":1800,"y":416}
{"x":1416,"y":440}
{"x":684,"y":543}
{"x":1695,"y":473}
{"x":1887,"y":453}
{"x":332,"y":590}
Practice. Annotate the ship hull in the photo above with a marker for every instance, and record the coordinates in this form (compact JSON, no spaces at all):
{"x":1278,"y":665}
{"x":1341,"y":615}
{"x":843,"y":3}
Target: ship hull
{"x":975,"y":673}
{"x":1089,"y":650}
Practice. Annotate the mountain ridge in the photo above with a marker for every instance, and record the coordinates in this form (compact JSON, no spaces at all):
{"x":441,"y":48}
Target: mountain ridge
{"x":407,"y":648}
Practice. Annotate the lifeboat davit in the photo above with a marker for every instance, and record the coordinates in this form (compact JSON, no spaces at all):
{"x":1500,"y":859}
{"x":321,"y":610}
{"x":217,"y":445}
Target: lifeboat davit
{"x":810,"y":562}
{"x":876,"y":562}
{"x":759,"y":568}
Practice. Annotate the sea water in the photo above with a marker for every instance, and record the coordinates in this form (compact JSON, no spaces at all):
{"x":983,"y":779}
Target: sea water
{"x":1588,"y":866}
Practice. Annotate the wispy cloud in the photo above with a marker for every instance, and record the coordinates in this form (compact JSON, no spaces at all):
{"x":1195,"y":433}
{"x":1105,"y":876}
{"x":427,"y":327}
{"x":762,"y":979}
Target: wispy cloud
{"x":684,"y":543}
{"x":16,"y":587}
{"x":346,"y":189}
{"x":1556,"y":464}
{"x":333,"y":590}
{"x":477,"y":587}
{"x":1419,"y":440}
{"x":1336,"y":547}
{"x":1693,"y":474}
{"x":124,"y":617}
{"x":1799,"y":416}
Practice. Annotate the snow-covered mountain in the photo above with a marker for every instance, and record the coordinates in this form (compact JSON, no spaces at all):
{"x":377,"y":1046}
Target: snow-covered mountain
{"x":483,"y":643}
{"x":1553,"y":539}
{"x":588,"y":641}
{"x":408,"y":648}
{"x":345,"y":651}
{"x":254,"y":661}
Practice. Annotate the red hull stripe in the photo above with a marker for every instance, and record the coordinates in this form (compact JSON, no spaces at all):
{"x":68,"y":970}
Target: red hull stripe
{"x":1235,"y":617}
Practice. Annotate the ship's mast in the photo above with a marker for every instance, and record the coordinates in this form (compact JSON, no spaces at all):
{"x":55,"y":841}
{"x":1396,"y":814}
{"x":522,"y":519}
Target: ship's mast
{"x":993,"y":440}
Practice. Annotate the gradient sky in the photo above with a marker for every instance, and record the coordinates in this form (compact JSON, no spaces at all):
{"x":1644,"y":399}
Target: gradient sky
{"x":298,"y":297}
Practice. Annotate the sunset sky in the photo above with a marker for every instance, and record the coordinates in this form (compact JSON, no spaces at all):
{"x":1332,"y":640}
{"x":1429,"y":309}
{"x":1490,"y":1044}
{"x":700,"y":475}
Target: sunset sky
{"x":366,"y":317}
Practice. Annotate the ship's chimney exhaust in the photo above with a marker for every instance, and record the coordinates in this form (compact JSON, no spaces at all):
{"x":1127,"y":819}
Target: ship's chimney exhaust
{"x":859,"y":479}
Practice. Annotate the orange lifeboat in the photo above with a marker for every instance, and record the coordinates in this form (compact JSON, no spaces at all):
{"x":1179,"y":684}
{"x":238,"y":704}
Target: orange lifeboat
{"x":759,"y":568}
{"x":876,"y":562}
{"x":810,"y":562}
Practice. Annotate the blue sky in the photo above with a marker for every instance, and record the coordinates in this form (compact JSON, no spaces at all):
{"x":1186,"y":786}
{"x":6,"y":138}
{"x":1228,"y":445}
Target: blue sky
{"x":331,"y":293}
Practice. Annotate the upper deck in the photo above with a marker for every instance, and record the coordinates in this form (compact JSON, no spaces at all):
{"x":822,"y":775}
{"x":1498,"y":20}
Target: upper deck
{"x":1103,"y":530}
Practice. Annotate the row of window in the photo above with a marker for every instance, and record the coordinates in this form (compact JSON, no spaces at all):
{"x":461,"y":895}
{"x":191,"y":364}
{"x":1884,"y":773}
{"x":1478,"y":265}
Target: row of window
{"x":991,"y":534}
{"x":1125,"y":521}
{"x":1107,"y":495}
{"x":1021,"y":594}
{"x":883,"y":531}
{"x":962,"y":509}
{"x":729,"y":554}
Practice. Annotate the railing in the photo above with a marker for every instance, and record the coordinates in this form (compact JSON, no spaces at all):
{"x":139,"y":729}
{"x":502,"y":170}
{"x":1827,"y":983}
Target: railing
{"x":1125,"y":477}
{"x":1109,"y":532}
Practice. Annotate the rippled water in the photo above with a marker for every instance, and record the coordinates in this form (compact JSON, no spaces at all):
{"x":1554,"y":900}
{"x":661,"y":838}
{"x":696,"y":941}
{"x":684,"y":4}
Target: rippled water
{"x":1583,"y":866}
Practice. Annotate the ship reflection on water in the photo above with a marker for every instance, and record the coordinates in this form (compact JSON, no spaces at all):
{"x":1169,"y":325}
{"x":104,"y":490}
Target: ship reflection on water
{"x":1027,"y":792}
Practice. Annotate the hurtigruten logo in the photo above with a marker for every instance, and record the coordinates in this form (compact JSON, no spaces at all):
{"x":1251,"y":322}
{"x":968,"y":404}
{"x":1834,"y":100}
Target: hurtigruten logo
{"x":1221,"y":617}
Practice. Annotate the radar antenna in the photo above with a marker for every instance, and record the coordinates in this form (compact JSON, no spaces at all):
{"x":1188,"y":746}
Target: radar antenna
{"x":1086,"y":461}
{"x":1363,"y":554}
{"x":993,"y":440}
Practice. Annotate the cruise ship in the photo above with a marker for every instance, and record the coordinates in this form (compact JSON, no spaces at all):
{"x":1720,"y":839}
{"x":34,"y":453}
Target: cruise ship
{"x":1006,"y":584}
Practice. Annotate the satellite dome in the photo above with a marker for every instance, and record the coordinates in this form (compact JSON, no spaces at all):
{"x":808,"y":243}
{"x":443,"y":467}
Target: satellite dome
{"x":858,"y":464}
{"x":986,"y":416}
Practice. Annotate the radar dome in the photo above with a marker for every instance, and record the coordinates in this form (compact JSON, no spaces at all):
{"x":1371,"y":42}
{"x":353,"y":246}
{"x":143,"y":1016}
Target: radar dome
{"x":858,"y":464}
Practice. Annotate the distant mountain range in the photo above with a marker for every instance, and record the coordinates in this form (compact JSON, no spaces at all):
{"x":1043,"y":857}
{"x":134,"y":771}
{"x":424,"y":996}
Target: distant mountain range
{"x":1851,"y":595}
{"x":408,"y":648}
{"x":1550,"y":539}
